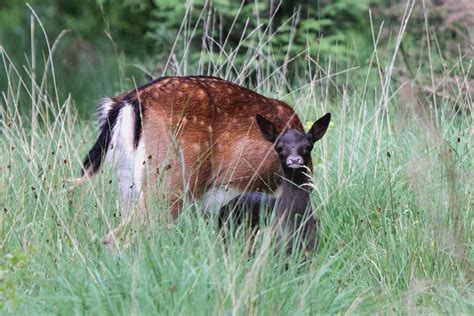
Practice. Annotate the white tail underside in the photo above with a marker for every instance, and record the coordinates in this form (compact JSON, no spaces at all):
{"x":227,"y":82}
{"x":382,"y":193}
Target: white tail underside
{"x":127,"y":160}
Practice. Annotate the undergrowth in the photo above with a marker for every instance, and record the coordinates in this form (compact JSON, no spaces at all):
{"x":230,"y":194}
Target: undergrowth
{"x":393,"y":182}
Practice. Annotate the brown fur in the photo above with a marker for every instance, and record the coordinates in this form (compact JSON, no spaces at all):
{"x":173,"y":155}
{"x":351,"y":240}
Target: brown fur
{"x":210,"y":123}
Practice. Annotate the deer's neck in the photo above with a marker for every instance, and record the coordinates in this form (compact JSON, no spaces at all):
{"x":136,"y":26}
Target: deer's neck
{"x":295,"y":193}
{"x":294,"y":212}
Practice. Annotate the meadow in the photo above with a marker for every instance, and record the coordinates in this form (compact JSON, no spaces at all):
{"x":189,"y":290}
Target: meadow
{"x":393,"y":181}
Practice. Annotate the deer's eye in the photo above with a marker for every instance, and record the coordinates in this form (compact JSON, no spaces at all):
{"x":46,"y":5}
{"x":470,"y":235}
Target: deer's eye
{"x":306,"y":150}
{"x":280,"y":149}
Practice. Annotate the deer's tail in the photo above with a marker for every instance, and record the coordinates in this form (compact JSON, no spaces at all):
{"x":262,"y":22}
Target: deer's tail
{"x":120,"y":129}
{"x":120,"y":126}
{"x":108,"y":113}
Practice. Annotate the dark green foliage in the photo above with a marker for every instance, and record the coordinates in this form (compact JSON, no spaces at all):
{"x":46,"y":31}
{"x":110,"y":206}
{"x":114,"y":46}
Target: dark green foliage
{"x":112,"y":44}
{"x":110,"y":36}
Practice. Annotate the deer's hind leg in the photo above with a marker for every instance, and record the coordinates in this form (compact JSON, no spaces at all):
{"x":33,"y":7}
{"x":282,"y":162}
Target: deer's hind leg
{"x":191,"y":172}
{"x":130,"y":168}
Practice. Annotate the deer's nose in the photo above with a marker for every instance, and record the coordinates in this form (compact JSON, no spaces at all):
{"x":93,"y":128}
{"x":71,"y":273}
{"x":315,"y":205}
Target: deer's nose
{"x":294,"y":161}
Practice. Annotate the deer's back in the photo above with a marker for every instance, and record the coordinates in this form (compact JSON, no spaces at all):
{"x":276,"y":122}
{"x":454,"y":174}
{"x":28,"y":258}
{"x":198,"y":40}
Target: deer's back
{"x":210,"y":123}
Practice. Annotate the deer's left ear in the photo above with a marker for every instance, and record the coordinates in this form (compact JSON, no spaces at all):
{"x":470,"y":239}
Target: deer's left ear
{"x":267,"y":128}
{"x":319,"y":128}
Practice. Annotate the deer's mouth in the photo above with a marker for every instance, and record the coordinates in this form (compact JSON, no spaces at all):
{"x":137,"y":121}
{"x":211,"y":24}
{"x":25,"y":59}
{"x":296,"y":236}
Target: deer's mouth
{"x":294,"y":166}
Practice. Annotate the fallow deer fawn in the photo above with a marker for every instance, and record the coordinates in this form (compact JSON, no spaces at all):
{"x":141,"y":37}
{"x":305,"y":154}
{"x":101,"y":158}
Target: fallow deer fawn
{"x":189,"y":134}
{"x":294,"y":222}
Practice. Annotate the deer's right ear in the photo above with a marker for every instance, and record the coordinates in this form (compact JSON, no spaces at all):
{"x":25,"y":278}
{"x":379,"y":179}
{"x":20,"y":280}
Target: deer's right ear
{"x":319,"y":127}
{"x":267,"y":128}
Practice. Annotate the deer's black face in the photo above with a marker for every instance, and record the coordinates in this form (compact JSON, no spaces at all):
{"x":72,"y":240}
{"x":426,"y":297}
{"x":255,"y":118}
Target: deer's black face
{"x":294,"y":147}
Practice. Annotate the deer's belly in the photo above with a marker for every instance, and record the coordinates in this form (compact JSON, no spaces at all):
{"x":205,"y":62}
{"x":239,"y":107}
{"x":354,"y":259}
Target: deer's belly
{"x":218,"y":196}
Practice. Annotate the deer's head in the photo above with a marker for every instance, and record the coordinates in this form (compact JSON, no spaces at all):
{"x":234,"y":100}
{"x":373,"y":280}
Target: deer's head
{"x":293,"y":146}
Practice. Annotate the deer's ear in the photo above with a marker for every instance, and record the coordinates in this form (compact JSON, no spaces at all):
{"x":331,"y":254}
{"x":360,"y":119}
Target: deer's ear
{"x":267,"y":128}
{"x":319,"y":128}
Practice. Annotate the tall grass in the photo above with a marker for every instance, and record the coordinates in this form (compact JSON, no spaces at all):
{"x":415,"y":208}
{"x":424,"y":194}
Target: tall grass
{"x":393,"y":182}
